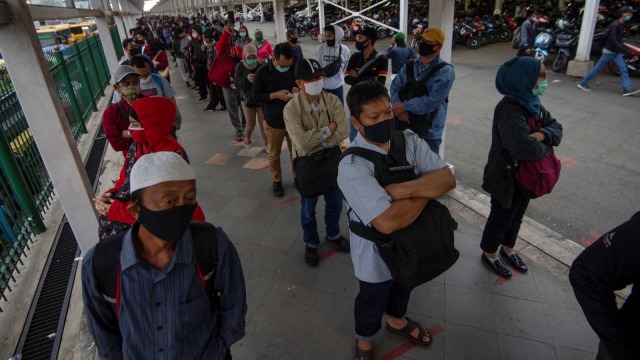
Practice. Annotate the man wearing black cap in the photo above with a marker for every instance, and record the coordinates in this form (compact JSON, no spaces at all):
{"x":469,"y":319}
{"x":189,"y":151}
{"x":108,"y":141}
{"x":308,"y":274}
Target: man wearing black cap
{"x":613,"y":51}
{"x":315,"y":121}
{"x":365,"y":64}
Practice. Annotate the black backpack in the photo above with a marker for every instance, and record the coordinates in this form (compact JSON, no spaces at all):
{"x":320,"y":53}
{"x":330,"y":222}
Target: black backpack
{"x":106,"y":262}
{"x":335,"y":66}
{"x":413,"y":88}
{"x":421,"y":251}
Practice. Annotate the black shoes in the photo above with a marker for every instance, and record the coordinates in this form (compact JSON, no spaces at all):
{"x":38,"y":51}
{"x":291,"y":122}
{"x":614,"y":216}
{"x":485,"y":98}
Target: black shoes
{"x":277,"y":189}
{"x":202,"y":99}
{"x":223,"y":109}
{"x":497,"y":265}
{"x":515,"y":260}
{"x":188,"y":85}
{"x":311,"y":256}
{"x":341,"y":242}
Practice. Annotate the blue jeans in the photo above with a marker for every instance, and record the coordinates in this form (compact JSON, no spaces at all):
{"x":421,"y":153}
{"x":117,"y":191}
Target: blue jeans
{"x":604,"y":60}
{"x":332,"y":212}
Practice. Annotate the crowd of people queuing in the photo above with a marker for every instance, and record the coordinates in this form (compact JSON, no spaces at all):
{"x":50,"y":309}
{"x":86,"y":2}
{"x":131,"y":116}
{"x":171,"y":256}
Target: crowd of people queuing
{"x":163,"y":281}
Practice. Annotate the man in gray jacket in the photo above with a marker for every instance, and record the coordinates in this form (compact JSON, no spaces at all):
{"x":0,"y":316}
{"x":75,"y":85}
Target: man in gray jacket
{"x":528,"y":33}
{"x":333,"y":57}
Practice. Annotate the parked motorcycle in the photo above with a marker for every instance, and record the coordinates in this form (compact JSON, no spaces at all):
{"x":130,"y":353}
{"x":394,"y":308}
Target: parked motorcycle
{"x":565,"y":44}
{"x":632,"y":60}
{"x":314,"y":33}
{"x":543,"y":45}
{"x":417,"y":31}
{"x":466,"y":34}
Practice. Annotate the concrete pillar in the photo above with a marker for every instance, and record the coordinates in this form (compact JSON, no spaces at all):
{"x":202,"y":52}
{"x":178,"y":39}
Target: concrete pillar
{"x":581,"y":64}
{"x":38,"y":95}
{"x":105,"y":36}
{"x":498,"y":6}
{"x":322,"y":22}
{"x":261,"y":13}
{"x":404,"y":17}
{"x":69,"y":4}
{"x":441,"y":16}
{"x":278,"y":17}
{"x":309,"y":7}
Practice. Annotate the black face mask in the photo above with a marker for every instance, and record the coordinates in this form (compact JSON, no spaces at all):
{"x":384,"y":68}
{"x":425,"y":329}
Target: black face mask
{"x":135,"y":51}
{"x":425,"y":49}
{"x":380,"y":133}
{"x":360,"y":45}
{"x":140,"y":42}
{"x":168,"y":225}
{"x":331,"y":43}
{"x":294,"y":40}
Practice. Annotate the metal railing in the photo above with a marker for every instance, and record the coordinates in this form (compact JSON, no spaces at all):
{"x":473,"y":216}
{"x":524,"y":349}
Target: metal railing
{"x":80,"y":73}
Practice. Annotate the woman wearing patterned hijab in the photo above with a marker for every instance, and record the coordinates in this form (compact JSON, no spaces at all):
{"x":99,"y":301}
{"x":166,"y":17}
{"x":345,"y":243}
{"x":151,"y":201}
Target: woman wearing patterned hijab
{"x":265,"y":51}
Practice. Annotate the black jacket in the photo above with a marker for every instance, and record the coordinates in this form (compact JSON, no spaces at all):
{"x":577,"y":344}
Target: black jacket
{"x":377,"y":70}
{"x":198,"y":57}
{"x":269,"y":80}
{"x":614,"y":37}
{"x":240,"y":79}
{"x":609,"y":264}
{"x":510,"y":141}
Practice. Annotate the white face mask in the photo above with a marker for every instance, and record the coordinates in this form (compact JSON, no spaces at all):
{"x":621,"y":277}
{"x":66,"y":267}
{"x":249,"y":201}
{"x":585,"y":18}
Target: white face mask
{"x":314,"y":88}
{"x":147,"y":80}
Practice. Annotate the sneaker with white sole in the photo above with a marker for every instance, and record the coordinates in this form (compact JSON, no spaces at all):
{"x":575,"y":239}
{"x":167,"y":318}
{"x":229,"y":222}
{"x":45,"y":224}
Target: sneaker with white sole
{"x":630,"y":92}
{"x":584,"y":87}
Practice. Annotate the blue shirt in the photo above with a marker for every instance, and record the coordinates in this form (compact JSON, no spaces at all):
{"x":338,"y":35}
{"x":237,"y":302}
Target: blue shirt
{"x":399,"y":56}
{"x":166,"y":314}
{"x":439,"y":86}
{"x":368,"y":200}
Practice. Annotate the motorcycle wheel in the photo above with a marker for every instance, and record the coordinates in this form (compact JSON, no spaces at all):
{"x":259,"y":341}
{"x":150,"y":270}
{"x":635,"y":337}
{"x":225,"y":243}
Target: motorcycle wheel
{"x":414,"y":42}
{"x":314,"y":35}
{"x":381,"y":33}
{"x":504,"y":35}
{"x":560,"y":62}
{"x":539,"y":56}
{"x":473,"y":42}
{"x":302,"y":33}
{"x":483,"y":40}
{"x":491,"y":38}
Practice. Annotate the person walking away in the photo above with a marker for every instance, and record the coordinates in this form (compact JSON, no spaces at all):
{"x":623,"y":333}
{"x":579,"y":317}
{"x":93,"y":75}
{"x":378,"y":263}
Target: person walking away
{"x":185,"y":49}
{"x":424,"y":112}
{"x":333,"y":57}
{"x":199,"y":62}
{"x":229,"y":55}
{"x":244,"y":75}
{"x":365,"y":65}
{"x":161,"y":276}
{"x":159,"y":57}
{"x":614,"y":50}
{"x":273,"y":86}
{"x":292,"y":39}
{"x":610,"y":264}
{"x":265,"y":52}
{"x":521,"y":80}
{"x":315,"y":120}
{"x":387,"y":209}
{"x":399,"y":54}
{"x":528,"y":34}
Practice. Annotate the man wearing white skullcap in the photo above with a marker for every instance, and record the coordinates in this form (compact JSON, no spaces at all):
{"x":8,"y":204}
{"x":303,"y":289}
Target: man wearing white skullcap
{"x":170,"y":288}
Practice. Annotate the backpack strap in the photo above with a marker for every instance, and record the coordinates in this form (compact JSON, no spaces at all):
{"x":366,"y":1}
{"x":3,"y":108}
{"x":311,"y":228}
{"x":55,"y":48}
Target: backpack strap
{"x":366,"y":65}
{"x":205,"y":240}
{"x":411,"y":75}
{"x":433,"y":71}
{"x":122,"y":110}
{"x":106,"y":268}
{"x":159,"y":82}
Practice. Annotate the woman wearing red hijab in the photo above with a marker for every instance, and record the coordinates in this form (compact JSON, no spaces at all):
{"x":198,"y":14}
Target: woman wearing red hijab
{"x":150,"y":125}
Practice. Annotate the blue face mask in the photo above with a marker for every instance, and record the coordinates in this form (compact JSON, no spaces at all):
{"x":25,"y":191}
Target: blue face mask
{"x":282,"y":69}
{"x":542,"y":87}
{"x":627,"y":17}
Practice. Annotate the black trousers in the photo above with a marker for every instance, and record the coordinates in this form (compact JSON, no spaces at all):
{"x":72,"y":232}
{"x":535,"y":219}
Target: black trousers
{"x":503,"y":224}
{"x":200,"y":78}
{"x":215,"y":95}
{"x":373,"y":301}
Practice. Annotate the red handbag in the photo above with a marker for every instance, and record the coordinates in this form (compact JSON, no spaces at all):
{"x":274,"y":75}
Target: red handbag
{"x":222,"y":70}
{"x":537,"y":178}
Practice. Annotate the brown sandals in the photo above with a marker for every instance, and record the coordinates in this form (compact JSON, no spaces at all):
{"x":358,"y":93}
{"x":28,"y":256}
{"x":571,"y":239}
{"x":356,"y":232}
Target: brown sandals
{"x":406,"y":332}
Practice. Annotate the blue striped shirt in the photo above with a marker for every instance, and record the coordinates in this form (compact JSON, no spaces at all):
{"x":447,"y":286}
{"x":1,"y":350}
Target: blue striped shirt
{"x":166,"y":314}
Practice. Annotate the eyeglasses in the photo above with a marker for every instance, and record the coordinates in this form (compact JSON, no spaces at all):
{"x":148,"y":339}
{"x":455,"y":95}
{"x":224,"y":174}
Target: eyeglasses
{"x":543,"y":76}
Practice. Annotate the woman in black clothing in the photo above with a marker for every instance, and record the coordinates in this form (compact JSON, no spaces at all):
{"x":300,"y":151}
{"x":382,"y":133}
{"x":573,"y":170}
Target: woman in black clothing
{"x":521,"y":80}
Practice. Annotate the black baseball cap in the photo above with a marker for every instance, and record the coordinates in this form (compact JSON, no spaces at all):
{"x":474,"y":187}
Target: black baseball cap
{"x":626,"y":9}
{"x":308,"y":69}
{"x":369,"y":32}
